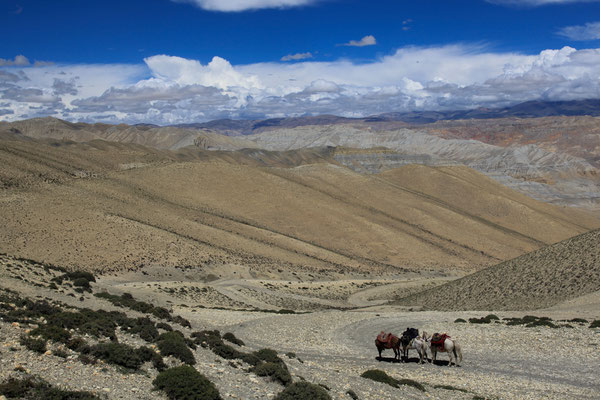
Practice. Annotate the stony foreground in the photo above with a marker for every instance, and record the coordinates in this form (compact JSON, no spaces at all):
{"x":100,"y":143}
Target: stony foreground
{"x":331,"y":348}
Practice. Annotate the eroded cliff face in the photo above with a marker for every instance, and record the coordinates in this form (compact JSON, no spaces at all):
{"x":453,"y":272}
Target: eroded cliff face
{"x":550,"y":173}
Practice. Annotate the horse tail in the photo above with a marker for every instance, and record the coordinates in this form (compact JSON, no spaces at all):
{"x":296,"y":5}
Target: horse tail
{"x":456,"y":350}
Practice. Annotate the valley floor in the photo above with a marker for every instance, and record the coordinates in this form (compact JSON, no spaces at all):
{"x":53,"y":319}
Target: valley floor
{"x":332,"y":340}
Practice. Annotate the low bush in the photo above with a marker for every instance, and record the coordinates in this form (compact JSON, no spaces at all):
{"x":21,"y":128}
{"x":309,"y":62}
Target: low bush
{"x":164,"y":326}
{"x":35,"y":388}
{"x":303,"y":391}
{"x":174,"y":344}
{"x":230,"y":337}
{"x":459,"y":321}
{"x":595,"y":323}
{"x":268,"y":355}
{"x":37,"y":345}
{"x":276,"y":371}
{"x":51,"y":332}
{"x":118,"y":354}
{"x":381,"y":376}
{"x":352,"y":395}
{"x":186,"y":383}
{"x":225,"y":351}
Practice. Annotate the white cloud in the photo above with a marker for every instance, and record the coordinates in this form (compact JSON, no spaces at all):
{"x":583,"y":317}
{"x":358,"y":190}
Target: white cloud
{"x":368,"y":40}
{"x":19,"y":60}
{"x":243,"y":5}
{"x":589,"y":31}
{"x":172,"y":89}
{"x":297,"y":56}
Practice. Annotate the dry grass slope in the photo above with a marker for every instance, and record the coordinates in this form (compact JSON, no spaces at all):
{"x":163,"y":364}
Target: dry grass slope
{"x":543,"y":278}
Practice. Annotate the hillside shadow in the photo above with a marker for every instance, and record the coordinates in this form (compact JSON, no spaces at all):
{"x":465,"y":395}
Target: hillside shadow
{"x":387,"y":359}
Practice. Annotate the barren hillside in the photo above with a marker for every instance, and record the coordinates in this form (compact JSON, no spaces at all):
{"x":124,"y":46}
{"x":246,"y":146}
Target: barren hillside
{"x":546,"y":277}
{"x":105,"y":206}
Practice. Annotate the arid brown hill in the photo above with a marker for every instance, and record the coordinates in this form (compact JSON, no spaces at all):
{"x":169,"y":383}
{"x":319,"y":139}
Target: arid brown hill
{"x":540,"y":279}
{"x":102,"y":206}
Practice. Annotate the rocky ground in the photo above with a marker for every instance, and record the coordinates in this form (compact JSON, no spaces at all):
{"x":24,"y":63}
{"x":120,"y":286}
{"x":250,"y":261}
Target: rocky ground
{"x":327,"y":346}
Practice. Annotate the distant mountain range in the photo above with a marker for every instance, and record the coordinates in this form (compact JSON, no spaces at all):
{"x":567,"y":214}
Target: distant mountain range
{"x":529,"y":109}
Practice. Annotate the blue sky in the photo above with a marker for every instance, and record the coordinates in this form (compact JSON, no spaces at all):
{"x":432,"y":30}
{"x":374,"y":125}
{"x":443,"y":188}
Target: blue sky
{"x":154,"y":60}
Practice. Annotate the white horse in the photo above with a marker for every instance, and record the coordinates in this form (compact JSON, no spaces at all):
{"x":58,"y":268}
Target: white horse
{"x":417,"y":344}
{"x":451,"y":346}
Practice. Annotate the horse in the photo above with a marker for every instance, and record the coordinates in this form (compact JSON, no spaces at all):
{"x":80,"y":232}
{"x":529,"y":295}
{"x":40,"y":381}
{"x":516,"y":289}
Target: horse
{"x":450,"y":346}
{"x":416,"y":343}
{"x":388,"y":341}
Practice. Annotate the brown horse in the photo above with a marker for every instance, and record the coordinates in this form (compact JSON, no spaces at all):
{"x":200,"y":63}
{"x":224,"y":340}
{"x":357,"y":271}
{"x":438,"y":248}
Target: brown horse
{"x":388,"y":341}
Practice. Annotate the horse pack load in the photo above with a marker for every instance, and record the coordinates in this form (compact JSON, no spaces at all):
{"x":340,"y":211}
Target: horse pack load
{"x":410,"y":340}
{"x":438,"y":340}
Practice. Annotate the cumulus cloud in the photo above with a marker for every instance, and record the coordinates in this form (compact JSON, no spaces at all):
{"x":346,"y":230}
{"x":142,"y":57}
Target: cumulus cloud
{"x":368,"y":40}
{"x":243,"y":5}
{"x":19,"y":60}
{"x":169,"y":89}
{"x":589,"y":31}
{"x":297,"y":56}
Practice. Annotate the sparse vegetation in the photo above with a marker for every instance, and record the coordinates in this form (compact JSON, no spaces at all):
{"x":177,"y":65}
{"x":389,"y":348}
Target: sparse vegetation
{"x":174,"y":344}
{"x":36,"y":388}
{"x":381,"y":376}
{"x":119,"y":354}
{"x":449,"y":387}
{"x":37,"y":345}
{"x":230,"y":337}
{"x":352,"y":394}
{"x":276,"y":371}
{"x":459,"y":321}
{"x":595,"y":323}
{"x":303,"y":391}
{"x":186,"y":383}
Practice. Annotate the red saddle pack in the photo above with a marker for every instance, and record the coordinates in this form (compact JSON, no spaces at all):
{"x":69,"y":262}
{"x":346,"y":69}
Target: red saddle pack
{"x":385,"y":338}
{"x":438,"y":340}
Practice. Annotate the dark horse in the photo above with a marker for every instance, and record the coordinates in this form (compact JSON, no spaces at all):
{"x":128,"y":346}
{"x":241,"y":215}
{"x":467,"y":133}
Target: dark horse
{"x":388,"y":341}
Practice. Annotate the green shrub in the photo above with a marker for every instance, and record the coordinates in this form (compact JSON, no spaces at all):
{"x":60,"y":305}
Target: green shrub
{"x":35,"y":388}
{"x":37,"y":345}
{"x":145,"y":328}
{"x":459,"y":320}
{"x":88,"y":276}
{"x":51,"y":332}
{"x":225,"y":351}
{"x":164,"y":326}
{"x":492,"y":317}
{"x":578,"y":320}
{"x":186,"y":383}
{"x":380,"y":376}
{"x":230,"y":337}
{"x":286,"y":311}
{"x":276,"y":371}
{"x":290,"y":355}
{"x":118,"y":354}
{"x":250,"y":359}
{"x":161,"y":313}
{"x":482,"y":320}
{"x":82,"y":283}
{"x":174,"y":344}
{"x":303,"y":391}
{"x":181,"y":321}
{"x":595,"y":323}
{"x":352,"y":395}
{"x":268,"y":355}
